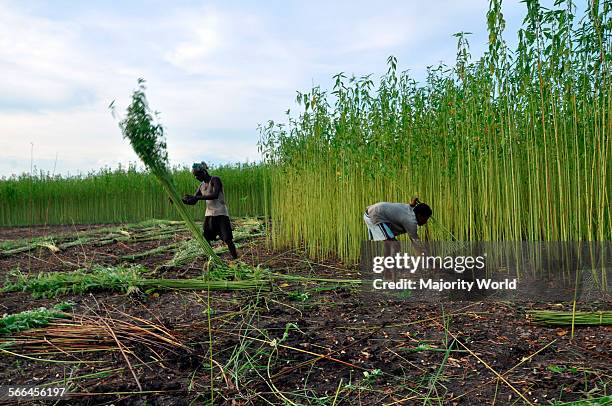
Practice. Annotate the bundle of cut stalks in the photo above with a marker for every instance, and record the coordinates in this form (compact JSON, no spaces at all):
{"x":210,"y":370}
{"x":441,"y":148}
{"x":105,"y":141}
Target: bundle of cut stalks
{"x":87,"y":334}
{"x":92,"y":333}
{"x":554,"y":318}
{"x":126,"y":280}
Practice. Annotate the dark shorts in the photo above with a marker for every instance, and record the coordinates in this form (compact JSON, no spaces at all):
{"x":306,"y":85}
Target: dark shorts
{"x":218,"y":226}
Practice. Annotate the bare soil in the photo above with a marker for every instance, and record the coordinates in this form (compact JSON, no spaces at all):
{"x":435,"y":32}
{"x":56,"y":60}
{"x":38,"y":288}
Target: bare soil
{"x":304,"y":343}
{"x":14,"y":233}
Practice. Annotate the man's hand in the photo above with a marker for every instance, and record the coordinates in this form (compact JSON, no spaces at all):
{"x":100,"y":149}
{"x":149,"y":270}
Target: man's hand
{"x":190,"y":200}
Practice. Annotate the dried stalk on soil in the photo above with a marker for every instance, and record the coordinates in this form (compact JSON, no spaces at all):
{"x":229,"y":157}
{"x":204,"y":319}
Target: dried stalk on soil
{"x":90,"y":333}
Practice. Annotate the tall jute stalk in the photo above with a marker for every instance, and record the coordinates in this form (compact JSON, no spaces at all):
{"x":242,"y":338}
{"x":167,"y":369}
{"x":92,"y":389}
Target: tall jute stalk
{"x":123,"y":194}
{"x":512,"y":146}
{"x":147,"y":139}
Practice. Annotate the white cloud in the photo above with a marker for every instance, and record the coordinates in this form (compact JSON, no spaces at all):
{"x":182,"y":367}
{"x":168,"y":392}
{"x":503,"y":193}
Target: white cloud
{"x":31,"y":51}
{"x":205,"y":37}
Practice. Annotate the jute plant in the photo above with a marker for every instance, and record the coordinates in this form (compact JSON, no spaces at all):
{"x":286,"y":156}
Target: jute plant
{"x":555,"y":318}
{"x":512,"y":146}
{"x":116,"y":195}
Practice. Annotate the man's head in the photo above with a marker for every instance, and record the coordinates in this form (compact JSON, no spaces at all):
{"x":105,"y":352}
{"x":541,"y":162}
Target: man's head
{"x":423,"y":213}
{"x":200,"y":171}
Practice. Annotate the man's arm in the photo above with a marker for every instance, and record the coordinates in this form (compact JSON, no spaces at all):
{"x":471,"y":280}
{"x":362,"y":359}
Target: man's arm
{"x":192,"y":199}
{"x":419,"y":246}
{"x":215,"y":186}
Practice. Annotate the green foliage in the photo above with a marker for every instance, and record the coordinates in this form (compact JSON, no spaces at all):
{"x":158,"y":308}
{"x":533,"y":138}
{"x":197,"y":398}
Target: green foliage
{"x":153,"y":251}
{"x":370,"y":377}
{"x":122,"y":195}
{"x":590,"y":401}
{"x":236,"y":271}
{"x":189,"y":251}
{"x":298,"y":296}
{"x":52,"y":284}
{"x":149,"y":230}
{"x":559,"y":369}
{"x":30,"y":319}
{"x":25,"y":244}
{"x":145,"y":135}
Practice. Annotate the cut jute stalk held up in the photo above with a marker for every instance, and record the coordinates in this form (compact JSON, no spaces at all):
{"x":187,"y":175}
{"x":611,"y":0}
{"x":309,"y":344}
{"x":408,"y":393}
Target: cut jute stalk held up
{"x":148,"y":141}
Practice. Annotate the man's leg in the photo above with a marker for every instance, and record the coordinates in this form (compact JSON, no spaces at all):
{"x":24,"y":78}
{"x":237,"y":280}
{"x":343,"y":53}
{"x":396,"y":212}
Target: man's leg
{"x":382,"y":232}
{"x":232,"y":248}
{"x":225,"y":233}
{"x":209,"y":229}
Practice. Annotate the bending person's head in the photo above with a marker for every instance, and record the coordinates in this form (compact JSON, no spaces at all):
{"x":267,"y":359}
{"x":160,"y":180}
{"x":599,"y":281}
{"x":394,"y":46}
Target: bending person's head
{"x":422,"y":213}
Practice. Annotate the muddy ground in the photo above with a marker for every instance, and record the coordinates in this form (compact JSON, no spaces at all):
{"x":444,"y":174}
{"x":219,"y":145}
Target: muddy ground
{"x":297,"y":342}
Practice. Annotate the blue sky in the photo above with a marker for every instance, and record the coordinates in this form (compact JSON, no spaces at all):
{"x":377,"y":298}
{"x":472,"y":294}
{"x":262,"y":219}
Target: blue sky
{"x":214,"y":69}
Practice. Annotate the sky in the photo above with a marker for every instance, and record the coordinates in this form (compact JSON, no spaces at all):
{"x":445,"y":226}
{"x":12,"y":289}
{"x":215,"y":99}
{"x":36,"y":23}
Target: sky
{"x":215,"y":70}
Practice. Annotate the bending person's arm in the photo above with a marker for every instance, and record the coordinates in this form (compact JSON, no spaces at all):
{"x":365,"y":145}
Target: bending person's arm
{"x":411,"y":230}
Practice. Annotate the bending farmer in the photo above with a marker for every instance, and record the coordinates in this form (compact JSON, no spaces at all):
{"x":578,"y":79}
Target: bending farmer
{"x":216,"y":219}
{"x":386,"y":221}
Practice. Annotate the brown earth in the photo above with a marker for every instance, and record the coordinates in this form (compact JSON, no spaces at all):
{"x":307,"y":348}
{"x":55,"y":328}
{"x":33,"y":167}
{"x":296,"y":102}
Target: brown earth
{"x":13,"y":233}
{"x":303,"y":343}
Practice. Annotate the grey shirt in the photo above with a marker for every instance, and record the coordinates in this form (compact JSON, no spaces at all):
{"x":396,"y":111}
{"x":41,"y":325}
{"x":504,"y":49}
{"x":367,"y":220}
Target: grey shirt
{"x":399,"y":216}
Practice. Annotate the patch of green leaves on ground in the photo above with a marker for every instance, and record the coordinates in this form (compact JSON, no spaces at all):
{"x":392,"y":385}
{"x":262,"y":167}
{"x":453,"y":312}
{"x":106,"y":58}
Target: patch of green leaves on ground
{"x":604,"y":400}
{"x":559,"y":369}
{"x":29,"y":319}
{"x":52,"y":284}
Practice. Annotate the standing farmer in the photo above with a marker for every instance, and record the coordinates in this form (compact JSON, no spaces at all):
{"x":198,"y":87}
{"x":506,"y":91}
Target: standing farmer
{"x":216,"y":219}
